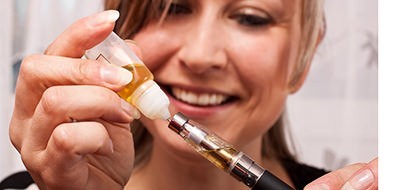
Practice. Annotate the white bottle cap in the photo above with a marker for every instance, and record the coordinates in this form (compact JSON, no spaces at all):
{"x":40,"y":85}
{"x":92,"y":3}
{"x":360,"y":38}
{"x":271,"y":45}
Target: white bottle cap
{"x":153,"y":102}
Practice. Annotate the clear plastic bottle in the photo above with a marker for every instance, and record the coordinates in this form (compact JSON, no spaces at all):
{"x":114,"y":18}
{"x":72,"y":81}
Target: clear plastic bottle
{"x":142,"y":91}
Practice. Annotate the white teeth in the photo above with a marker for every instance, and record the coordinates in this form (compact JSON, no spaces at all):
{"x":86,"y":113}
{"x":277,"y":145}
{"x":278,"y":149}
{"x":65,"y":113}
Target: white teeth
{"x":198,"y":99}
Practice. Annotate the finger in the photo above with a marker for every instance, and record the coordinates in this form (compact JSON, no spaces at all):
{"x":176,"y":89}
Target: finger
{"x":62,"y":104}
{"x":135,"y":48}
{"x":335,"y":179}
{"x":73,"y":42}
{"x":83,"y":34}
{"x":41,"y":72}
{"x":78,"y":139}
{"x":67,"y":149}
{"x":365,"y":178}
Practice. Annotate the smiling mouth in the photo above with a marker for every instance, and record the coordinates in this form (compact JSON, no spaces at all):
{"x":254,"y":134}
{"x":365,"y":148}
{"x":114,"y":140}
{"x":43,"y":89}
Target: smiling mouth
{"x":200,"y":99}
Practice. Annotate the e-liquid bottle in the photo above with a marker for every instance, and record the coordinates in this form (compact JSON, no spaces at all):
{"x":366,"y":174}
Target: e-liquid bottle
{"x":142,"y":91}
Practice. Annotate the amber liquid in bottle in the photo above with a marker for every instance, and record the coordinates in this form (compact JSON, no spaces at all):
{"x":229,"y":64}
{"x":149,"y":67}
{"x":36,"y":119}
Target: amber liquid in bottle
{"x":140,"y":75}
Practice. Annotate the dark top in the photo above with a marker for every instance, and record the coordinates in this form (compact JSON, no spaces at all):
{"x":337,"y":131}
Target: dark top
{"x":300,"y":174}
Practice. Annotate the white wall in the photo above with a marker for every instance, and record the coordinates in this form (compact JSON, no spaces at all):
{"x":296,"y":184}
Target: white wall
{"x":28,"y":27}
{"x":334,"y":117}
{"x":6,"y":96}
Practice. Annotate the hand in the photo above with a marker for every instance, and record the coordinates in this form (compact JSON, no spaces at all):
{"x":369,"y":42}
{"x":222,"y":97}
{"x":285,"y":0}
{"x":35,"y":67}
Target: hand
{"x":70,"y":127}
{"x":354,"y":177}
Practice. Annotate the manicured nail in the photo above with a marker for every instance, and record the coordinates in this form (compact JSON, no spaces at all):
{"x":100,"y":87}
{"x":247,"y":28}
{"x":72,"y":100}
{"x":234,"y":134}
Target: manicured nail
{"x":104,"y":17}
{"x":320,"y":186}
{"x":110,"y":146}
{"x":115,"y":75}
{"x":129,"y":41}
{"x":136,"y":114}
{"x":128,"y":108}
{"x":361,"y":181}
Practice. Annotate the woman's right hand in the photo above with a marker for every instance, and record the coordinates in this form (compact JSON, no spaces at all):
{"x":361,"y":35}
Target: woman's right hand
{"x":70,"y":127}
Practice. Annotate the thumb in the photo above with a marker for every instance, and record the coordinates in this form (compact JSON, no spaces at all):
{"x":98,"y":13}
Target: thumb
{"x":83,"y":34}
{"x":134,"y":47}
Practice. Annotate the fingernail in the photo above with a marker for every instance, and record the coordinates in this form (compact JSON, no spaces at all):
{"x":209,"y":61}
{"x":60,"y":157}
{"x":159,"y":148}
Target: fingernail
{"x":136,"y":114}
{"x":104,"y":17}
{"x":129,"y":41}
{"x":361,"y":181}
{"x":128,"y":108}
{"x":115,"y":75}
{"x":110,"y":146}
{"x":320,"y":186}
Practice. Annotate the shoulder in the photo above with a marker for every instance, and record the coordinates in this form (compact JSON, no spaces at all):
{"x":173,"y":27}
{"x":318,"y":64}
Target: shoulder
{"x":302,"y":174}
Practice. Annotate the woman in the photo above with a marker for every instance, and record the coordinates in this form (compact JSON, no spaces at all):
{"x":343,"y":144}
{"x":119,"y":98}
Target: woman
{"x":228,"y":65}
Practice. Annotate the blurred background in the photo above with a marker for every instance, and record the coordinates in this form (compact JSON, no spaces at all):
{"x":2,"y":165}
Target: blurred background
{"x":334,"y":117}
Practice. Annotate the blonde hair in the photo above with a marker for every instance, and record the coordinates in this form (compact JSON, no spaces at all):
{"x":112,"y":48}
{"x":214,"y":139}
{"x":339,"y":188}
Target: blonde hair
{"x":136,"y":14}
{"x":313,"y":30}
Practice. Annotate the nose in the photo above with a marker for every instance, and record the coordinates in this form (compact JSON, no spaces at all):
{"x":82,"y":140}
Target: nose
{"x":203,"y":47}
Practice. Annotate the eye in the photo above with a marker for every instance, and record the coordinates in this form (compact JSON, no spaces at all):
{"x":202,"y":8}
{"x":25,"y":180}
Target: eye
{"x":251,"y":20}
{"x":178,"y":8}
{"x":251,"y":17}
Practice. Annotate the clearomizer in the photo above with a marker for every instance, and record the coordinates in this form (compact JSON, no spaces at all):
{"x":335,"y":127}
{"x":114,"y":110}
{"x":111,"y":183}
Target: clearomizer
{"x":225,"y":156}
{"x":142,"y":91}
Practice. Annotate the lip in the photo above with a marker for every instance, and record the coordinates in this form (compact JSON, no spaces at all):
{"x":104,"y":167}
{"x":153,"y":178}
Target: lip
{"x":192,"y":111}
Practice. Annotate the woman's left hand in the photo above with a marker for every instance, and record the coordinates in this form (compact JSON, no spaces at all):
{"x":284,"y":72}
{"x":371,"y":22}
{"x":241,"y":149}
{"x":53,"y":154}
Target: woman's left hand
{"x":362,"y":176}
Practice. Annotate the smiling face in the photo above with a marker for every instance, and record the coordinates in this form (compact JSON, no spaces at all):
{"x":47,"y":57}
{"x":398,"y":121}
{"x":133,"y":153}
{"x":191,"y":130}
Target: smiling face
{"x":225,"y":64}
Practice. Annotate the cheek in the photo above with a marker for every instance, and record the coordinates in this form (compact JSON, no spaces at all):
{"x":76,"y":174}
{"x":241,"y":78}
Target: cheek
{"x":263,"y":65}
{"x":156,"y":46}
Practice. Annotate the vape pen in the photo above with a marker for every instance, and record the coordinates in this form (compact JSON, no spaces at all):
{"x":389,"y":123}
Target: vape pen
{"x":225,"y":156}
